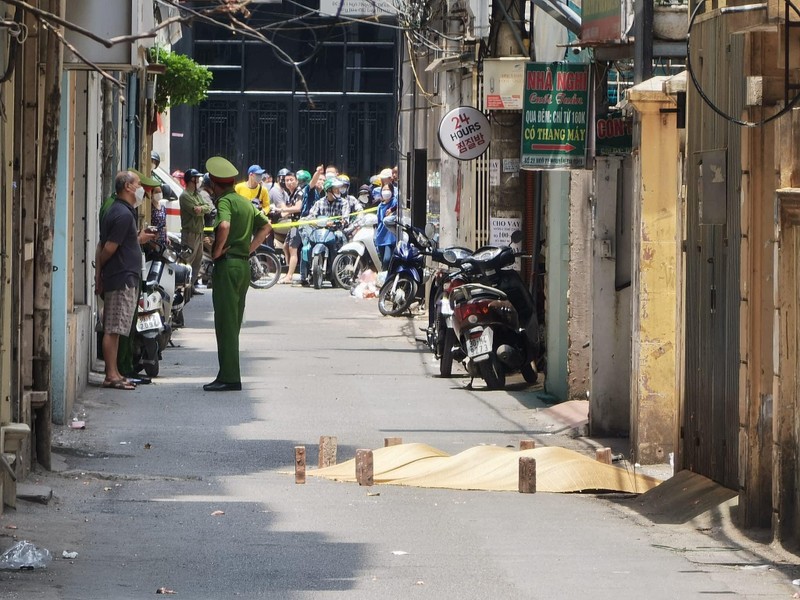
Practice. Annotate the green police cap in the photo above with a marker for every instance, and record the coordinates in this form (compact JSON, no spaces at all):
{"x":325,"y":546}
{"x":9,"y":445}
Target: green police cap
{"x":221,"y":169}
{"x":145,"y":180}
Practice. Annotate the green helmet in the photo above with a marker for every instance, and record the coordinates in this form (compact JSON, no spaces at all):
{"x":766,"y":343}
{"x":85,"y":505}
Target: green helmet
{"x":333,"y":182}
{"x":303,"y":177}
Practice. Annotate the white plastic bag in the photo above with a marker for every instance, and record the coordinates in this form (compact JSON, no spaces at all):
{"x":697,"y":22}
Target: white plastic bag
{"x":24,"y":555}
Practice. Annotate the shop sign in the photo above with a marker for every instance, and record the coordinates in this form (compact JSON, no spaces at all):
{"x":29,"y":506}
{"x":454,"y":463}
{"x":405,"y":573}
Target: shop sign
{"x":554,"y":117}
{"x":464,"y":133}
{"x":613,"y":134}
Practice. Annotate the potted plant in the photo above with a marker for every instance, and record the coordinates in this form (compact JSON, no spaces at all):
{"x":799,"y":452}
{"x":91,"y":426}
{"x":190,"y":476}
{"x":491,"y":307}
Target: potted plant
{"x":183,"y":81}
{"x":670,"y":19}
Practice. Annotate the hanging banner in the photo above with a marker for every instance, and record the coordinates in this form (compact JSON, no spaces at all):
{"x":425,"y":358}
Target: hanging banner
{"x":555,"y":115}
{"x":464,"y":133}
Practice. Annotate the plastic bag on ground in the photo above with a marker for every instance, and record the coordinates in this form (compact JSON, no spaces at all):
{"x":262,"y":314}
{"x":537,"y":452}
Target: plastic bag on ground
{"x":24,"y":555}
{"x":367,"y":276}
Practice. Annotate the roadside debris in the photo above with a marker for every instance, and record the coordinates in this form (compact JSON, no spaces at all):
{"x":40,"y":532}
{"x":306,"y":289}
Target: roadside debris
{"x":69,"y":555}
{"x":217,"y":513}
{"x":24,"y":555}
{"x":163,"y":590}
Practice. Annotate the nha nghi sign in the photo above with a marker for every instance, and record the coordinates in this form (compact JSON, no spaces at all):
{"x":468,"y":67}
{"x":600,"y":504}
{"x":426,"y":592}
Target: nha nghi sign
{"x":555,"y":115}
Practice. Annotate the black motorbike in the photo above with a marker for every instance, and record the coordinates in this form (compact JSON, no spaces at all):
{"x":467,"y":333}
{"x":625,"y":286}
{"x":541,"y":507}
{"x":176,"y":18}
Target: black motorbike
{"x":495,"y":318}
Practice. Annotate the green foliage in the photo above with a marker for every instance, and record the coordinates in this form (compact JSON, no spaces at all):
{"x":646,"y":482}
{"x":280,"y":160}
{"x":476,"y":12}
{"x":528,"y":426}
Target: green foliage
{"x":185,"y":81}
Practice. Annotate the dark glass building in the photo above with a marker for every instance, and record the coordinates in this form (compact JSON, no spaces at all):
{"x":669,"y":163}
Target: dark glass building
{"x":259,"y":110}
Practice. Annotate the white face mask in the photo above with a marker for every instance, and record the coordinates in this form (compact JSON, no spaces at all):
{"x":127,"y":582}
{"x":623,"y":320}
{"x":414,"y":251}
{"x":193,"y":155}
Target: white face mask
{"x":139,"y":193}
{"x":158,"y":198}
{"x":386,"y":194}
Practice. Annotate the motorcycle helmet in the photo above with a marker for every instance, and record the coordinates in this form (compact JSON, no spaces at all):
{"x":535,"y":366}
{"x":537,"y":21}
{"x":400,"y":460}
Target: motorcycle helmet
{"x":303,"y":177}
{"x":345,"y":183}
{"x":284,"y":172}
{"x":155,"y":157}
{"x":207,"y":181}
{"x":191,"y":174}
{"x":331,"y":184}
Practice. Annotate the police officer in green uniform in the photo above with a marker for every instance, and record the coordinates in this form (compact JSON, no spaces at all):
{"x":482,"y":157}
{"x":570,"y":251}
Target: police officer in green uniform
{"x":239,"y":229}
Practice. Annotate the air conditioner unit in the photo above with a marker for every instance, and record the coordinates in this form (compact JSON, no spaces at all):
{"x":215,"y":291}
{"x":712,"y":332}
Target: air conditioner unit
{"x":108,"y":19}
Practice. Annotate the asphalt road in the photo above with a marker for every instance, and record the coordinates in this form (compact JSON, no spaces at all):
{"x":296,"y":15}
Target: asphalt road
{"x":137,"y":489}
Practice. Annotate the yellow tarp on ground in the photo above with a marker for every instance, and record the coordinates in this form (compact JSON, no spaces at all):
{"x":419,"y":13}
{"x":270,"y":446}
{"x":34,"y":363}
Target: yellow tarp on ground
{"x":491,"y":468}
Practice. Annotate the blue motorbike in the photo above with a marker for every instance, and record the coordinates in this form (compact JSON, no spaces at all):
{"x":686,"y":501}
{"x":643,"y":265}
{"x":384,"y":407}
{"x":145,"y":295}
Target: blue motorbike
{"x":320,"y":245}
{"x":406,"y":274}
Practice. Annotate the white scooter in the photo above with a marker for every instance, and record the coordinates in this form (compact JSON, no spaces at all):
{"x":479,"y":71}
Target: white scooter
{"x":160,"y":278}
{"x":357,"y":255}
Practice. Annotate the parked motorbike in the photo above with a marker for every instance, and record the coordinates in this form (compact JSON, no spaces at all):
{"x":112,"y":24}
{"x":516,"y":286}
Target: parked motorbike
{"x":494,"y":317}
{"x":183,"y":285}
{"x":406,"y":274}
{"x":164,"y":284}
{"x":315,"y":253}
{"x":440,"y":335}
{"x":357,"y":255}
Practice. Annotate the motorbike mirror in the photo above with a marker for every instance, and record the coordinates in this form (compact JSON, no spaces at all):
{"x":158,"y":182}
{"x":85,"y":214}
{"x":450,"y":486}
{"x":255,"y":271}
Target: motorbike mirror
{"x":516,"y":237}
{"x":430,"y":230}
{"x":390,"y":221}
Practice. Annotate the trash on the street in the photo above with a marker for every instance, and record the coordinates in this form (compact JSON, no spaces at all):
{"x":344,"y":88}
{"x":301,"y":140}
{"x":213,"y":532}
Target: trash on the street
{"x":164,"y":590}
{"x":11,"y":526}
{"x":24,"y":555}
{"x":217,"y":513}
{"x":147,"y":446}
{"x":69,"y":555}
{"x":796,"y":582}
{"x":77,"y":424}
{"x":399,"y":552}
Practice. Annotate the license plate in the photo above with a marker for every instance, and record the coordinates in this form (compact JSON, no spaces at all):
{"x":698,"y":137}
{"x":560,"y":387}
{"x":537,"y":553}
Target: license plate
{"x":148,"y":322}
{"x":480,"y":345}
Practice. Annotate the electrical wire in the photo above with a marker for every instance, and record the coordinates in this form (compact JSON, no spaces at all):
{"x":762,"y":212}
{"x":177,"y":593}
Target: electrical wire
{"x":699,"y":88}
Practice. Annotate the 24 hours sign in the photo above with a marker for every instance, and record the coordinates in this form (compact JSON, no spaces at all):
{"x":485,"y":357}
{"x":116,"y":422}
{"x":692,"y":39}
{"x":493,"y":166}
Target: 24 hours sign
{"x":555,"y":115}
{"x":464,"y":133}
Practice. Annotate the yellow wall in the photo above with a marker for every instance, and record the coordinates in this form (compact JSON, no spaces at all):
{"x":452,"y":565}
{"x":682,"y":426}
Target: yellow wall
{"x":654,"y":385}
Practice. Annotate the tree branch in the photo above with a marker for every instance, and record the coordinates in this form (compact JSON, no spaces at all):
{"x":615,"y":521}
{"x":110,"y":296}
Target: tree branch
{"x":74,"y":50}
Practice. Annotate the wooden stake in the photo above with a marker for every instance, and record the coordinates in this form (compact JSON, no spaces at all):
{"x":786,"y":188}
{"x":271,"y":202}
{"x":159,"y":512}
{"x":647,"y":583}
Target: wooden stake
{"x":328,"y":445}
{"x":299,"y":464}
{"x":364,"y":467}
{"x":527,"y":475}
{"x":527,"y":444}
{"x":603,"y":455}
{"x":392,"y":441}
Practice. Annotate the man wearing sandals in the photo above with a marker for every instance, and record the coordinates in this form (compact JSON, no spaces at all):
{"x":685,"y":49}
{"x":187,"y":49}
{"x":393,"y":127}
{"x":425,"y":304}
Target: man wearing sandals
{"x":118,"y":269}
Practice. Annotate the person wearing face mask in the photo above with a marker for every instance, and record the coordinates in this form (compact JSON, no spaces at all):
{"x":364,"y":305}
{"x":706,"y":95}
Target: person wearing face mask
{"x":385,"y":239}
{"x":158,"y":212}
{"x":118,"y":263}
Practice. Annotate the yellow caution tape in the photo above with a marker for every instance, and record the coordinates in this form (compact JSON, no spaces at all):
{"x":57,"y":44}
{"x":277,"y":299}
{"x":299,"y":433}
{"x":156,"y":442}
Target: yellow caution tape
{"x":289,"y":225}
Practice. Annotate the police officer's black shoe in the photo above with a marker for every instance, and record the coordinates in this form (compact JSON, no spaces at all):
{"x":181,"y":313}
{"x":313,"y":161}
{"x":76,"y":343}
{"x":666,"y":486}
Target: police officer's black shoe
{"x":219,"y":386}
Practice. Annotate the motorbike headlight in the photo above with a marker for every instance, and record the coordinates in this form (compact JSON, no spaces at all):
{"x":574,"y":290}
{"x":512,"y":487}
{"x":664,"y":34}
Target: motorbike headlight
{"x":169,"y":255}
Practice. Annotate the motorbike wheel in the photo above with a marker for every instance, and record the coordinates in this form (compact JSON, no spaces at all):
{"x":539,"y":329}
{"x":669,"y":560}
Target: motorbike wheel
{"x":344,"y":269}
{"x":150,"y":353}
{"x":396,"y":295}
{"x":529,"y":373}
{"x":265,"y":270}
{"x":492,"y":373}
{"x":446,"y":361}
{"x":316,"y":271}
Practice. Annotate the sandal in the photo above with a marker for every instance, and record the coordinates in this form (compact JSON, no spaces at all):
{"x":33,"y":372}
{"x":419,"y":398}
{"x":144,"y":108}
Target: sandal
{"x":119,"y":384}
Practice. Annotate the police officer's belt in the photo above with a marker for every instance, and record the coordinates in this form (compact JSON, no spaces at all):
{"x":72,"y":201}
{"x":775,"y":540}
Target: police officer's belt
{"x":228,"y":256}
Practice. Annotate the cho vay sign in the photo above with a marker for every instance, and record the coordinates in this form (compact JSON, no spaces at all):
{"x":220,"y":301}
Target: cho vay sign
{"x":555,"y":116}
{"x":464,"y":133}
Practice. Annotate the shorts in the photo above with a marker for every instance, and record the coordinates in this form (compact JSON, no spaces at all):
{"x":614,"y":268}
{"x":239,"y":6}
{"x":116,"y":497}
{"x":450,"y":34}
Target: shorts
{"x":118,"y":310}
{"x":293,"y":238}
